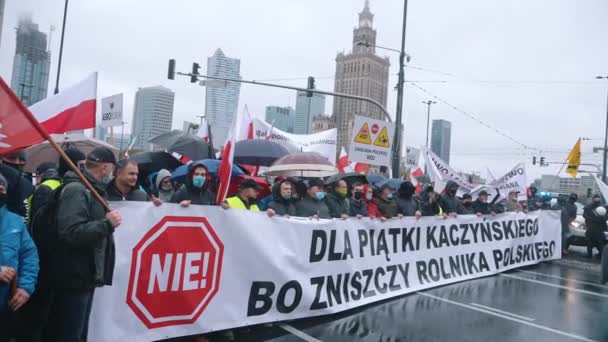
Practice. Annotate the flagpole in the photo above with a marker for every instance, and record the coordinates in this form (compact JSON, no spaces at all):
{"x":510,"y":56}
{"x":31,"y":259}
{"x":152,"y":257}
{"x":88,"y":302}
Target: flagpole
{"x":43,"y":132}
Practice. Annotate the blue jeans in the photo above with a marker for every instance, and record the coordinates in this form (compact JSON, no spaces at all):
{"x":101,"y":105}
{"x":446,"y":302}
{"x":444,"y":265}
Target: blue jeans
{"x":69,"y":318}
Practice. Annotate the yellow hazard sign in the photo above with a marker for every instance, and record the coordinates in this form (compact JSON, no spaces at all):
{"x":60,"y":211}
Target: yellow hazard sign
{"x":363,"y":137}
{"x":382,"y":139}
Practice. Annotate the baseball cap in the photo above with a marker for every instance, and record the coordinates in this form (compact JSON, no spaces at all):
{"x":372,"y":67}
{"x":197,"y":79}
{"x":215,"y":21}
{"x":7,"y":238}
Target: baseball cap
{"x":249,"y":184}
{"x":483,"y":193}
{"x":102,"y":155}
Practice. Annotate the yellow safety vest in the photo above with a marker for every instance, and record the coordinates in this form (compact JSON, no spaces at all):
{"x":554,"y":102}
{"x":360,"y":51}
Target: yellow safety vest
{"x":236,"y":203}
{"x":51,"y":183}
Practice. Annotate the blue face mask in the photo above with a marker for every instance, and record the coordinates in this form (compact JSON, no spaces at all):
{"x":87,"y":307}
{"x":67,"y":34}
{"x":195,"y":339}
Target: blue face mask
{"x":389,"y":196}
{"x":107,"y":179}
{"x":198,"y":181}
{"x":320,"y":195}
{"x":368,"y":197}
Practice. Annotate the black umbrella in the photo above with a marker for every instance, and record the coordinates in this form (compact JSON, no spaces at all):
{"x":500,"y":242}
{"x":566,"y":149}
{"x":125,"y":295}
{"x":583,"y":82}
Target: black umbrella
{"x":154,"y":161}
{"x":349,"y":177}
{"x":258,"y":152}
{"x":185,"y":144}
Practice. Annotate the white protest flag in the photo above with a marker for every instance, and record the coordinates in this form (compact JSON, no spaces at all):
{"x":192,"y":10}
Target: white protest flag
{"x":603,"y":187}
{"x":188,"y":271}
{"x":244,"y":126}
{"x":515,"y":180}
{"x":441,"y":173}
{"x":203,"y":130}
{"x":323,"y":143}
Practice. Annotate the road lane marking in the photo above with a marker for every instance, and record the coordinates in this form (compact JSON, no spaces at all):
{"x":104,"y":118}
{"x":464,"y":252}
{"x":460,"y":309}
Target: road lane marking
{"x":568,"y":279}
{"x":534,"y":325}
{"x":503,"y":312}
{"x":573,"y":289}
{"x":298,"y":333}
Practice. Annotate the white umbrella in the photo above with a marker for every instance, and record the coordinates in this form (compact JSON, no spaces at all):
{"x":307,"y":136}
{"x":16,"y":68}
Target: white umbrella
{"x":303,"y":164}
{"x":44,"y":152}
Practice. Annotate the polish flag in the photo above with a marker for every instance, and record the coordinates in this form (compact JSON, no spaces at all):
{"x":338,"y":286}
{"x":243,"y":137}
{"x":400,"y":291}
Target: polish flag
{"x":362,"y":168}
{"x":70,"y":110}
{"x":269,"y":133}
{"x":344,"y":165}
{"x":245,"y":125}
{"x":414,"y":174}
{"x":224,"y":172}
{"x":203,"y":131}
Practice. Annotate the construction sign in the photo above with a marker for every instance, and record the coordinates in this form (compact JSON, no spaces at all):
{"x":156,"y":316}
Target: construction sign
{"x":372,"y":141}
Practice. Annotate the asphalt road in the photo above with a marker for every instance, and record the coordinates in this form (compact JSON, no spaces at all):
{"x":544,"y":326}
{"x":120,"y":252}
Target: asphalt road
{"x":546,"y":302}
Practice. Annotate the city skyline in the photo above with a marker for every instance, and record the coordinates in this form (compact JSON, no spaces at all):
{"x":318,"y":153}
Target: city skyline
{"x":152,"y":115}
{"x":281,"y":117}
{"x":441,"y":139}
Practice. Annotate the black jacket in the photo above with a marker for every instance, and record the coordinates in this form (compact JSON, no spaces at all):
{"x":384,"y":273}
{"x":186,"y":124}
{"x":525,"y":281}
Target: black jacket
{"x":450,"y":203}
{"x":408,"y":206}
{"x":337,"y":205}
{"x":427,"y":208}
{"x":43,"y":192}
{"x":19,"y":189}
{"x":85,"y":255}
{"x":280,"y":205}
{"x":483,"y":208}
{"x":134,"y":194}
{"x":593,"y":221}
{"x":309,"y":206}
{"x":357,"y":207}
{"x":189,"y":192}
{"x":388,"y":208}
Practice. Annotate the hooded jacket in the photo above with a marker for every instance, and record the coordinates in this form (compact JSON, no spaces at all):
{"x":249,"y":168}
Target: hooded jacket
{"x":388,"y":208}
{"x":592,"y":220}
{"x":427,"y":208}
{"x":164,"y":195}
{"x":280,"y":205}
{"x":407,"y":204}
{"x":450,"y":203}
{"x":19,"y":189}
{"x":43,"y":192}
{"x":188,"y":192}
{"x":85,"y":254}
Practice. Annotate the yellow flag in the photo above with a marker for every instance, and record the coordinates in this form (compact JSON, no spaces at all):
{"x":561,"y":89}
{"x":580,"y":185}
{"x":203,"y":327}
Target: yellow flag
{"x":574,"y":159}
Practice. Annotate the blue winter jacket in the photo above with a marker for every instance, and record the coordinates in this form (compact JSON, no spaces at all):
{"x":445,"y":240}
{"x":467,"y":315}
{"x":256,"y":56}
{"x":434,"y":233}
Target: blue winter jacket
{"x":17,"y":250}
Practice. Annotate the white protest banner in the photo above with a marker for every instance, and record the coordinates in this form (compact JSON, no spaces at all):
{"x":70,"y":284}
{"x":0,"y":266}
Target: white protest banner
{"x":412,"y":156}
{"x":111,"y":111}
{"x":514,"y":180}
{"x":323,"y":143}
{"x":441,"y":173}
{"x":371,"y":141}
{"x":186,"y":271}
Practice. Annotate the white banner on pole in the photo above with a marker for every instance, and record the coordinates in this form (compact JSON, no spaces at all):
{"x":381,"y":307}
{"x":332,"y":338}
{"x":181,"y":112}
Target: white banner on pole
{"x":412,"y":157}
{"x":185,"y":271}
{"x":323,"y":143}
{"x":514,"y":180}
{"x":111,"y":111}
{"x":371,"y":141}
{"x":441,"y":173}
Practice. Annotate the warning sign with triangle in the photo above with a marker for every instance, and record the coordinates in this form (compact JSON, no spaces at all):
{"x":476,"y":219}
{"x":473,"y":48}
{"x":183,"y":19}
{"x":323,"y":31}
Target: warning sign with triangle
{"x":382,"y":139}
{"x":363,"y":136}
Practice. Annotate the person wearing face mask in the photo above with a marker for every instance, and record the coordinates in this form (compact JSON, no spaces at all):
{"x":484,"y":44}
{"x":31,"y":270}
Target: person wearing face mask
{"x":16,"y":160}
{"x":18,"y":263}
{"x":451,"y":205}
{"x":164,"y":185}
{"x":282,"y":202}
{"x":370,"y":201}
{"x":407,"y":204}
{"x":386,"y":202}
{"x":337,"y":201}
{"x":18,"y":186}
{"x":429,"y":202}
{"x":568,"y":216}
{"x":358,"y":205}
{"x":481,"y":206}
{"x":196,"y":188}
{"x":246,"y":198}
{"x":467,"y":203}
{"x":313,"y":204}
{"x":84,"y":256}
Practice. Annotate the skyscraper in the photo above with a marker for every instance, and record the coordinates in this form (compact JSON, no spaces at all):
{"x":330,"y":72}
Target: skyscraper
{"x":306,"y":109}
{"x":282,"y":117}
{"x":31,"y":63}
{"x":222,"y":102}
{"x":360,"y":72}
{"x":2,"y":2}
{"x":152,"y":115}
{"x":441,"y":135}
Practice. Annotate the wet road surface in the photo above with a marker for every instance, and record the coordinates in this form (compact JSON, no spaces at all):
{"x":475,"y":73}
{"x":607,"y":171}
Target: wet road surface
{"x":546,"y":302}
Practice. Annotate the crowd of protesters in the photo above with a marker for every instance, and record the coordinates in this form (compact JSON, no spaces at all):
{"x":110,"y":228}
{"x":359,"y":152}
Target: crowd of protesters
{"x":57,"y":245}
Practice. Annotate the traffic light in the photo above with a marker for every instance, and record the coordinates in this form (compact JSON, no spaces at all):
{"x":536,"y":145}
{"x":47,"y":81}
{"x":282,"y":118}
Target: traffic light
{"x":534,"y":160}
{"x":311,"y":85}
{"x":542,"y":161}
{"x":171,"y":73}
{"x":193,"y":78}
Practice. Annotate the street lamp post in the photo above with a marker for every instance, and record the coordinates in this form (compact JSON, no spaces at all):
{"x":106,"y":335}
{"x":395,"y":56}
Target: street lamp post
{"x":428,"y":119}
{"x":605,"y":135}
{"x":65,"y":14}
{"x":398,"y":114}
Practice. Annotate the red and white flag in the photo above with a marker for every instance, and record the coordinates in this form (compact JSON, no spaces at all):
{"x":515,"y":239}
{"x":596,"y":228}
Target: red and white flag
{"x":224,"y":172}
{"x":269,"y":133}
{"x":344,"y":165}
{"x":72,"y":109}
{"x":414,"y":174}
{"x":244,"y":123}
{"x":203,"y":130}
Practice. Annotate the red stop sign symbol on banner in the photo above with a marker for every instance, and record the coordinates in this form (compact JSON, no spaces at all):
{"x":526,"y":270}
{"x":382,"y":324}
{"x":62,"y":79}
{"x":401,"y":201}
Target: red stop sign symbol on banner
{"x":175,"y":271}
{"x":375,"y":128}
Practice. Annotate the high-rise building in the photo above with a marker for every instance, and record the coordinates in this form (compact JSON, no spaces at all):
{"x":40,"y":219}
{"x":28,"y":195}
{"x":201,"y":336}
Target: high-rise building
{"x":441,"y":135}
{"x":360,"y":72}
{"x":282,"y":117}
{"x":152,"y":115}
{"x":101,"y":133}
{"x":221,"y":102}
{"x":322,"y":123}
{"x":306,"y":109}
{"x":2,"y":2}
{"x":120,"y":141}
{"x":31,"y":63}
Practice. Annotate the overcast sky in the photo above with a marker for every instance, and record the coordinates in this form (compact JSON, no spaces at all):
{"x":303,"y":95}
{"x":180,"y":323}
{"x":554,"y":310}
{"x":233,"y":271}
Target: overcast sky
{"x":524,"y":67}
